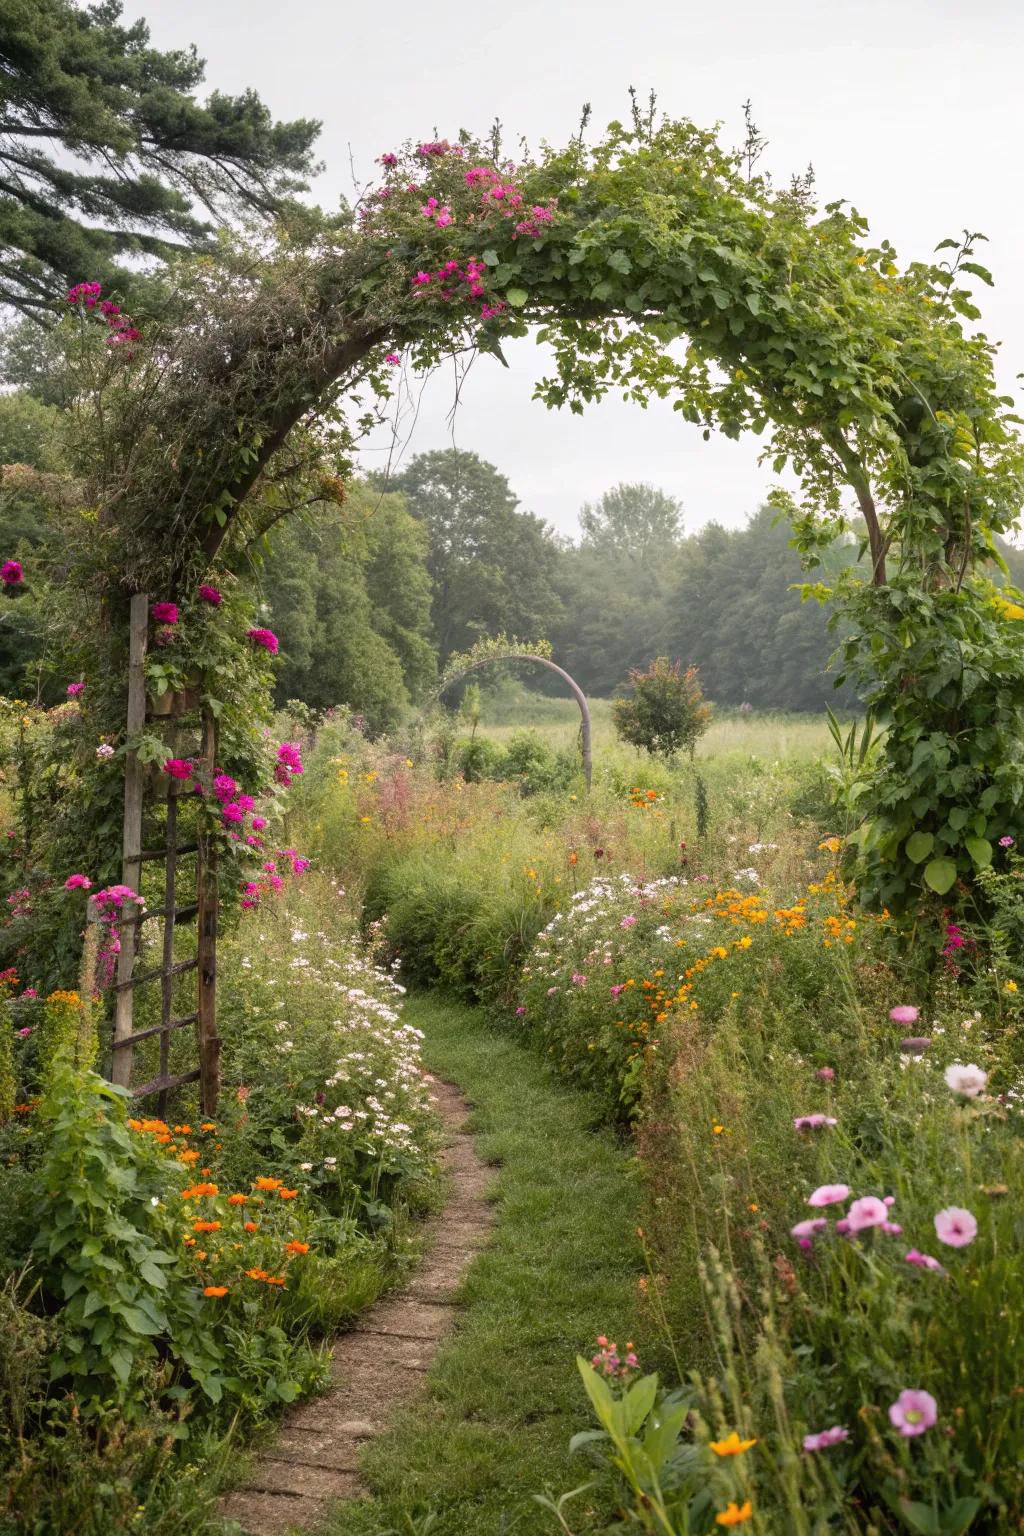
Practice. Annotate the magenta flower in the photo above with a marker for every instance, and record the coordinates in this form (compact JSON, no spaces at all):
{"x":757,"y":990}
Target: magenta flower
{"x":246,"y":802}
{"x":85,"y":293}
{"x":1006,"y":842}
{"x":615,"y":991}
{"x":628,"y":922}
{"x":955,"y":1227}
{"x":826,"y":1437}
{"x":233,"y":812}
{"x":178,"y":768}
{"x":211,"y":595}
{"x":866,"y":1212}
{"x":813,"y":1122}
{"x":421,"y":279}
{"x":225,"y":787}
{"x":165,"y":613}
{"x":392,"y":358}
{"x":829,"y":1194}
{"x":924,"y":1261}
{"x":11,"y":573}
{"x":264,"y":637}
{"x":904,"y":1014}
{"x":520,"y":1012}
{"x":913,"y":1412}
{"x":74,"y":689}
{"x":258,"y":823}
{"x":826,"y":1074}
{"x":78,"y":883}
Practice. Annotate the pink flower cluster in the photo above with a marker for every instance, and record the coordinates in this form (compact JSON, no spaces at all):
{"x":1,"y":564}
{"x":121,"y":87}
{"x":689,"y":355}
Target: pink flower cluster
{"x":165,"y":613}
{"x":289,"y":762}
{"x":108,"y":904}
{"x":506,"y":197}
{"x":74,"y":689}
{"x":271,"y":880}
{"x":610,"y":1364}
{"x":265,"y":638}
{"x":11,"y":573}
{"x":448,"y":278}
{"x":87,"y":296}
{"x":211,"y":595}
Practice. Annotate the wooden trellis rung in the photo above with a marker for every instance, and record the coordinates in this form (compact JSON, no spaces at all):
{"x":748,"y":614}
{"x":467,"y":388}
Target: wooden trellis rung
{"x":159,"y":971}
{"x":147,"y":1034}
{"x":148,"y":854}
{"x":163,"y":1085}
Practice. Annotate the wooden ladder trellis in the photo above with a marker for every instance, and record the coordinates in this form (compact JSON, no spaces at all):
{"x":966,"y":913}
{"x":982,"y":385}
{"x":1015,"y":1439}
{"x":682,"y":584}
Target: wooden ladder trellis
{"x":203,"y":909}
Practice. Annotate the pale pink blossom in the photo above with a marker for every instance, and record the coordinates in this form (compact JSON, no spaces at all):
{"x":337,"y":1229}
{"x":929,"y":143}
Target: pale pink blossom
{"x":955,"y":1227}
{"x":829,"y":1194}
{"x":913,"y":1412}
{"x":866,"y":1212}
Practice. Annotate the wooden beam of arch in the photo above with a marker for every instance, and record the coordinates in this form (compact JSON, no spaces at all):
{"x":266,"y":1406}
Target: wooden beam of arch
{"x":574,"y":688}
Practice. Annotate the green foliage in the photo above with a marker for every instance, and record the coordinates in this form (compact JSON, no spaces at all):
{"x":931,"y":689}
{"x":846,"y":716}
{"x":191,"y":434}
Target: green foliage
{"x":350,"y":599}
{"x":140,"y":151}
{"x":493,"y":567}
{"x":666,"y":713}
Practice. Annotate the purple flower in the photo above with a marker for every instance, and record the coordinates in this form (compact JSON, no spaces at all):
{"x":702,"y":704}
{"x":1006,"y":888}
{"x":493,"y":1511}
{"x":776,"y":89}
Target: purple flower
{"x":913,"y":1412}
{"x":813,"y":1122}
{"x":955,"y":1227}
{"x":829,"y":1194}
{"x":11,"y":573}
{"x":619,"y":987}
{"x":74,"y":689}
{"x":904,"y":1014}
{"x":826,"y":1437}
{"x":924,"y":1261}
{"x":866,"y":1212}
{"x":915,"y":1045}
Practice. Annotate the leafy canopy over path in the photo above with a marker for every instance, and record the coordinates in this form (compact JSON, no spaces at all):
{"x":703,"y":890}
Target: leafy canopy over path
{"x":651,"y":266}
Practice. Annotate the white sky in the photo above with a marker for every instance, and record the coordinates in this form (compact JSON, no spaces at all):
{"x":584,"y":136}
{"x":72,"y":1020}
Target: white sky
{"x":908,"y":108}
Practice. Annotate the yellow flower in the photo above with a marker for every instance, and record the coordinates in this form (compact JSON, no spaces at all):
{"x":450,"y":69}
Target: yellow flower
{"x":735,"y":1514}
{"x":718,"y":1129}
{"x":1010,"y":986}
{"x":831,"y":844}
{"x":732,"y":1445}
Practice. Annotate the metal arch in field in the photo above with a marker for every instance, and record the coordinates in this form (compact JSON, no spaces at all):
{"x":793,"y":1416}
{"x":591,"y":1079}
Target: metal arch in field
{"x":574,"y":688}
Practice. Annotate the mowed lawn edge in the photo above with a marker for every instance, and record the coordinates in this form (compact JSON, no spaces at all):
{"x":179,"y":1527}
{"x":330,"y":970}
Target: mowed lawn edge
{"x":503,"y":1396}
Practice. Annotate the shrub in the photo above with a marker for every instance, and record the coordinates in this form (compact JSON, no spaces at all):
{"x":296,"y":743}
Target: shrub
{"x":666,"y":713}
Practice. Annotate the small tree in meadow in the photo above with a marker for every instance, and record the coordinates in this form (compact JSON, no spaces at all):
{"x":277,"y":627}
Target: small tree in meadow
{"x":666,"y":713}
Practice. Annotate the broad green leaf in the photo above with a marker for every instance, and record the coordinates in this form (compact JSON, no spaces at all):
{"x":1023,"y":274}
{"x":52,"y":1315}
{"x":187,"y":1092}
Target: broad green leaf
{"x":940,"y":874}
{"x":620,"y":261}
{"x":958,"y":818}
{"x":919,"y":846}
{"x":640,"y":1401}
{"x":980,"y":850}
{"x":517,"y":297}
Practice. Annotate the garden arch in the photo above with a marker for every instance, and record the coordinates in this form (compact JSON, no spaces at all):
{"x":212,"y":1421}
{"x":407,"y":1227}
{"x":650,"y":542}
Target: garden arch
{"x":466,"y":664}
{"x":651,"y":265}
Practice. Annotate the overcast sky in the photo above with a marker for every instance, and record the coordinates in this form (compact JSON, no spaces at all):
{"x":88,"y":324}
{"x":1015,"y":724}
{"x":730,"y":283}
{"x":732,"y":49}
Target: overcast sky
{"x":908,"y":108}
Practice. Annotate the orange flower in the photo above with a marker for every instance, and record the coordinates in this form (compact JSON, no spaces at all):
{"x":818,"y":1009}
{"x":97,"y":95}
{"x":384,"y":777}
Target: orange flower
{"x":189,"y":1242}
{"x":215,"y":1290}
{"x":188,"y":1157}
{"x":732,"y":1445}
{"x":287,"y":1194}
{"x":200,"y":1254}
{"x":294,"y":1247}
{"x":264,"y":1183}
{"x":250,"y":1226}
{"x":195,"y":1190}
{"x":206,"y":1226}
{"x":206,"y":1172}
{"x":183,"y":1130}
{"x":735,"y":1514}
{"x":208,"y":1125}
{"x":256,"y":1274}
{"x":275,"y":1280}
{"x":237,"y":1199}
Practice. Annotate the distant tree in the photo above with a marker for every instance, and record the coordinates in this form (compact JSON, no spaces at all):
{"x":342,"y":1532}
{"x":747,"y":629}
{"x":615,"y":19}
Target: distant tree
{"x":494,"y":567}
{"x":106,"y":154}
{"x":637,"y":521}
{"x":30,"y":438}
{"x":349,"y":597}
{"x":666,"y":713}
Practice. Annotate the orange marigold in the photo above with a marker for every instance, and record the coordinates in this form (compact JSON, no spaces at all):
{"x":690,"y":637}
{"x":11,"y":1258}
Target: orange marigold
{"x":206,"y":1226}
{"x":264,"y":1183}
{"x":215,"y":1290}
{"x":287,"y":1194}
{"x":256,"y":1274}
{"x":295,"y":1247}
{"x":237,"y":1199}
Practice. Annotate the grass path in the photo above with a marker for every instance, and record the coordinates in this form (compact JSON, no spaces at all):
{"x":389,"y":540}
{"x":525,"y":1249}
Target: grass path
{"x":562,"y":1266}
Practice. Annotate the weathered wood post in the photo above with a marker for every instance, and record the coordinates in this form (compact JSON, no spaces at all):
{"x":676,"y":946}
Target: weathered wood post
{"x":131,"y":845}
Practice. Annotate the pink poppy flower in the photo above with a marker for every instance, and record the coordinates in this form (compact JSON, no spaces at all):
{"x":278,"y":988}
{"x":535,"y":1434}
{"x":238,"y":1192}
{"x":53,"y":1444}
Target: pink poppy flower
{"x":826,"y":1437}
{"x":924,"y":1261}
{"x":904,"y":1014}
{"x":829,"y":1194}
{"x":866,"y":1212}
{"x":913,"y":1412}
{"x":955,"y":1227}
{"x":813,"y":1122}
{"x":809,"y":1228}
